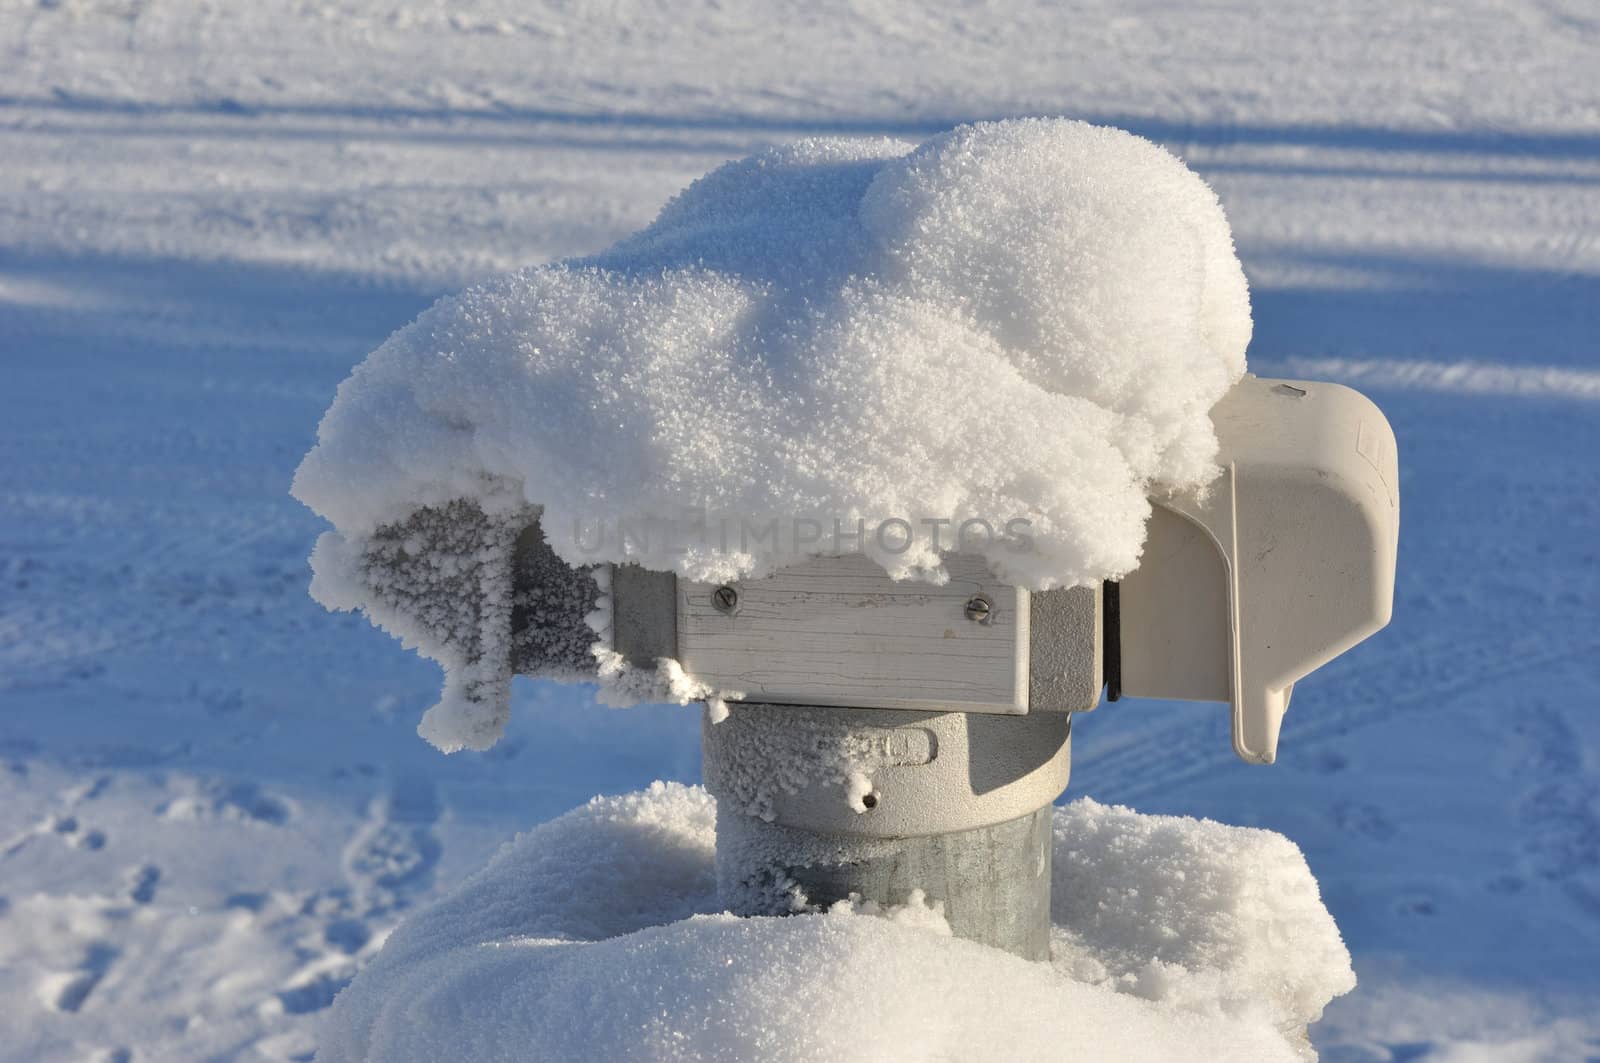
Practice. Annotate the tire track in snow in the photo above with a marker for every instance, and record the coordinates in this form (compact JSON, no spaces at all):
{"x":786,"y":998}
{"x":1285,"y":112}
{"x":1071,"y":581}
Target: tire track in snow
{"x":1561,"y":812}
{"x":1161,"y":759}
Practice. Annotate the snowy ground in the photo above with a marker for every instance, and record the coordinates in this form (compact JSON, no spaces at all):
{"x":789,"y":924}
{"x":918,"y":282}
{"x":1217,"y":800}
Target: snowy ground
{"x":213,"y":806}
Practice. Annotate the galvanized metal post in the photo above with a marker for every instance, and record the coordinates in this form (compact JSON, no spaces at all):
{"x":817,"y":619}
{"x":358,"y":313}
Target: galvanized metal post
{"x":816,"y":805}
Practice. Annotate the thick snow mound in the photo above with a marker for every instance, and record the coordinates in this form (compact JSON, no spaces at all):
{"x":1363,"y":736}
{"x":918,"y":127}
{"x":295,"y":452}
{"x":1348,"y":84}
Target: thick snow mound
{"x":1234,"y":924}
{"x":595,"y":937}
{"x":999,"y":342}
{"x":862,"y":345}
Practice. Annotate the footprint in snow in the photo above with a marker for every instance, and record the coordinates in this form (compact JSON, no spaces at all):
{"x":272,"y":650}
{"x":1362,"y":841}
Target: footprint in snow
{"x":1366,"y":820}
{"x":73,"y":833}
{"x":142,"y":883}
{"x":392,"y":858}
{"x":237,"y":800}
{"x":72,"y":991}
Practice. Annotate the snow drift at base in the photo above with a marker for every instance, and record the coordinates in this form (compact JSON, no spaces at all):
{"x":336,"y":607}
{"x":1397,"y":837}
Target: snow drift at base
{"x":595,"y":937}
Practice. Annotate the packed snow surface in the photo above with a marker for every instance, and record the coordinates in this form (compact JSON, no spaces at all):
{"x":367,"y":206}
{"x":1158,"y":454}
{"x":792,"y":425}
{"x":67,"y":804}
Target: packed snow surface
{"x":1022,"y":321}
{"x":596,"y":936}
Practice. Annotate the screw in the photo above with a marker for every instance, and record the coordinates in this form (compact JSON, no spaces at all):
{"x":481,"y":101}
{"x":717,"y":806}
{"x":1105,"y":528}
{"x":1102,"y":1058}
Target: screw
{"x":978,"y":609}
{"x":725,"y":598}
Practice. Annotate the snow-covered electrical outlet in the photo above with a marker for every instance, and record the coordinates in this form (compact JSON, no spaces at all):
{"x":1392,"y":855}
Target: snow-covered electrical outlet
{"x":1284,"y":562}
{"x":1281,"y":564}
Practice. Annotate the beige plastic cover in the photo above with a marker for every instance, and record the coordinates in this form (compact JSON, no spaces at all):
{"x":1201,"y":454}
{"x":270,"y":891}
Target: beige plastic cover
{"x":1286,"y":562}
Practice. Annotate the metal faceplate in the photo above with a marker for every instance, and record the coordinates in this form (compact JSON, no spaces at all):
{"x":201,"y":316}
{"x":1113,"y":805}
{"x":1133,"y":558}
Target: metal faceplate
{"x":839,"y":632}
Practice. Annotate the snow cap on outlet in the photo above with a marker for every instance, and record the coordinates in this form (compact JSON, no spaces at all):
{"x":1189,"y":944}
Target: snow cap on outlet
{"x":1016,"y":328}
{"x":1025,"y":319}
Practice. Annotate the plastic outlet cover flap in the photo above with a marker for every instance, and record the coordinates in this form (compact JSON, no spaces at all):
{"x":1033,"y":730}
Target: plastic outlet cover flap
{"x":1285,"y":562}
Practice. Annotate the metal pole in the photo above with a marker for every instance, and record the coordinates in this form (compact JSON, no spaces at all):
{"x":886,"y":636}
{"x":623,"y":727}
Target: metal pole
{"x":816,"y":805}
